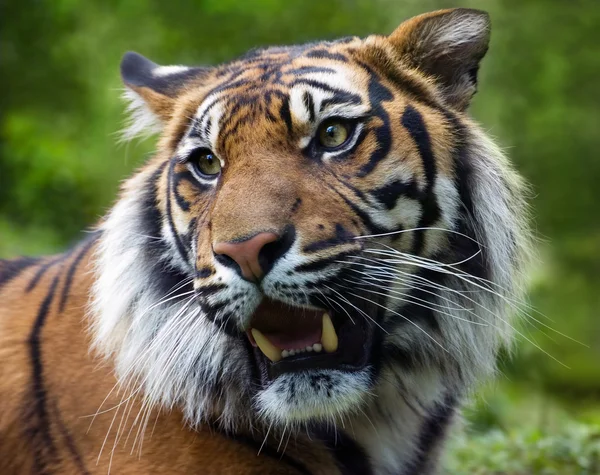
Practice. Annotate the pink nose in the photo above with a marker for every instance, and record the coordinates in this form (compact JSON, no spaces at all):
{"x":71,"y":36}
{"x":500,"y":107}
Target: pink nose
{"x":246,"y":253}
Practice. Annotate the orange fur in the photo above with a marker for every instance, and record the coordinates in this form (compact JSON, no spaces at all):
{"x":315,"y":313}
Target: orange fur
{"x":76,"y":384}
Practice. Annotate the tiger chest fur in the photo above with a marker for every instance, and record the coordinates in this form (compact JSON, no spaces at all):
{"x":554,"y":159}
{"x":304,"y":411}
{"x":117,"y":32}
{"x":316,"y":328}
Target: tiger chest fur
{"x":308,"y":277}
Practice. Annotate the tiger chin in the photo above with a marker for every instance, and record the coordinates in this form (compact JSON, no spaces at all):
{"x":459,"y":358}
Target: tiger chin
{"x":309,"y":276}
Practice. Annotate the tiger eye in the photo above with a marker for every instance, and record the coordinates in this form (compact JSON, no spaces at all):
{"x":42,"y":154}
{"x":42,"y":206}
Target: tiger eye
{"x":332,"y":134}
{"x":206,"y":162}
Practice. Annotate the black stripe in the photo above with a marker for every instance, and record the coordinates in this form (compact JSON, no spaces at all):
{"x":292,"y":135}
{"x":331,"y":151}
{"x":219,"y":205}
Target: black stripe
{"x":344,"y":96}
{"x":10,"y":270}
{"x":285,"y":114}
{"x":413,"y":122}
{"x":410,"y":85}
{"x":178,"y":243}
{"x":230,"y":126}
{"x":204,"y":272}
{"x":165,"y":277}
{"x":71,"y":272}
{"x":41,"y":271}
{"x":322,"y":53}
{"x":309,"y":103}
{"x":208,"y":128}
{"x":463,"y":247}
{"x":70,"y":443}
{"x":350,"y":457}
{"x":369,"y":224}
{"x":406,"y":358}
{"x":269,"y":452}
{"x":340,"y":98}
{"x":389,"y":194}
{"x":433,"y":431}
{"x":321,"y":264}
{"x":209,"y":108}
{"x":208,"y":290}
{"x":150,"y":216}
{"x":342,"y":236}
{"x":180,"y":200}
{"x":224,"y":323}
{"x":185,"y":175}
{"x":39,"y":424}
{"x":351,"y":187}
{"x":378,"y":94}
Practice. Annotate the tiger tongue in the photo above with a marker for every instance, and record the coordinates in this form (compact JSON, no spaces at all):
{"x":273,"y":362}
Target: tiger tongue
{"x":276,"y":326}
{"x":294,"y":341}
{"x":279,"y":345}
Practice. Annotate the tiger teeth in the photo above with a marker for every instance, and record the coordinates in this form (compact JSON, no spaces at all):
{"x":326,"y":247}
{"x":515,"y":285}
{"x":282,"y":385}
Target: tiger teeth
{"x":317,"y":347}
{"x":269,"y":350}
{"x":329,"y":338}
{"x":329,"y":342}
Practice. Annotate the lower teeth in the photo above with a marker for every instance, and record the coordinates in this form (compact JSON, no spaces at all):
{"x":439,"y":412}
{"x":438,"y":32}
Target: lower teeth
{"x":317,"y":348}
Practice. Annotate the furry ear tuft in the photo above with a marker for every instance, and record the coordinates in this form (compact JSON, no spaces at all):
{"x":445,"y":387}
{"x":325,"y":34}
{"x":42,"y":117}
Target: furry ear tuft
{"x":151,"y":92}
{"x":447,"y":45}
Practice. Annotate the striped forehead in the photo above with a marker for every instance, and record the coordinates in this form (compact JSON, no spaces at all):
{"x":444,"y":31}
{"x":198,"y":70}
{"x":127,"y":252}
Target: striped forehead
{"x":313,"y":93}
{"x":336,"y":90}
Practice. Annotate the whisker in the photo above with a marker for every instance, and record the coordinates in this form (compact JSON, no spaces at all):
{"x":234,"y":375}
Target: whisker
{"x":391,"y":233}
{"x":351,"y":304}
{"x":409,"y":298}
{"x":341,"y":306}
{"x":404,"y":317}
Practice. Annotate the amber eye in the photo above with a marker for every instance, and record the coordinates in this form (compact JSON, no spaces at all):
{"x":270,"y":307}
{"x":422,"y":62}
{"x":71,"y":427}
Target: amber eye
{"x":333,"y":133}
{"x":205,"y":162}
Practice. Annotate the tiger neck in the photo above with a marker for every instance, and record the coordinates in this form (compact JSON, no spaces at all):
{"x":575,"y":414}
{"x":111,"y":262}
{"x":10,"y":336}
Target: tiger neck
{"x":404,"y":428}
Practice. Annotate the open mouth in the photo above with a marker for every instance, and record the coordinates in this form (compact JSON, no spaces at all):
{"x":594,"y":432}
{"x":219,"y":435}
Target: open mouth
{"x":288,"y":339}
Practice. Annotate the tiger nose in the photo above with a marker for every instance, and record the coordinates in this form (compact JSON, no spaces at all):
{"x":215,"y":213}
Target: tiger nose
{"x":246,"y":253}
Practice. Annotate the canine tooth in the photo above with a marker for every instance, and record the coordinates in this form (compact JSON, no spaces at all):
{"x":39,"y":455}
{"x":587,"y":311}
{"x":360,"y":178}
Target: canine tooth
{"x":285,"y":353}
{"x":266,"y":346}
{"x":317,"y":347}
{"x":329,"y":337}
{"x":308,"y":348}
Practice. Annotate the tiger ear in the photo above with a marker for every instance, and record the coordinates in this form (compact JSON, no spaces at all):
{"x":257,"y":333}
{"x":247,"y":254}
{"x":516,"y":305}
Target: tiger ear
{"x":151,"y":91}
{"x":447,"y":45}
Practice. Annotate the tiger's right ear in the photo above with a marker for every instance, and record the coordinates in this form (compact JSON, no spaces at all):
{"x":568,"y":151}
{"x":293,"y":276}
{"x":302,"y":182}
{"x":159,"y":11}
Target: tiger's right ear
{"x":448,"y":45}
{"x":151,"y":91}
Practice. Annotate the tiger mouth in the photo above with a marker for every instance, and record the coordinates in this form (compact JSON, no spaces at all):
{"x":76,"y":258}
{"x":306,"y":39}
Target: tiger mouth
{"x":288,"y":339}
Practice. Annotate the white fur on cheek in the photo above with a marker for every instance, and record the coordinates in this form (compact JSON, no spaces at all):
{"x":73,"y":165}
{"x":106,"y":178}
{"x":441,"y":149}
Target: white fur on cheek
{"x":168,"y":352}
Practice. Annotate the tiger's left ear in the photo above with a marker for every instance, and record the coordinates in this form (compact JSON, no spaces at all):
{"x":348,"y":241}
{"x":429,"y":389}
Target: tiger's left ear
{"x":447,"y":45}
{"x":152,"y":90}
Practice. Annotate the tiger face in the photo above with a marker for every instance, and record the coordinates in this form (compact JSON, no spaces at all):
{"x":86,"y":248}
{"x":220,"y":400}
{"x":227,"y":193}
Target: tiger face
{"x":309,"y":235}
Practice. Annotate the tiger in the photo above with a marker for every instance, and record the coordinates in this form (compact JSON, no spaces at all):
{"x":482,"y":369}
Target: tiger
{"x":311,"y":275}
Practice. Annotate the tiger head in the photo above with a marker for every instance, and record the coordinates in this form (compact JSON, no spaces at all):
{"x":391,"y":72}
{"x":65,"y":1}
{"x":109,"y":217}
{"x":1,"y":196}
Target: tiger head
{"x":321,"y":225}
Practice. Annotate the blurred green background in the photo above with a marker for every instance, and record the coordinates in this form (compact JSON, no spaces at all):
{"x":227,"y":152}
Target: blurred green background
{"x":60,"y":166}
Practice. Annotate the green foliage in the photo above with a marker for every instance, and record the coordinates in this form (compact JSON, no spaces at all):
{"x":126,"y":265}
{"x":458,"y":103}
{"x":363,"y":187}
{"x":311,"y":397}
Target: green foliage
{"x":517,"y":430}
{"x":575,"y":450}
